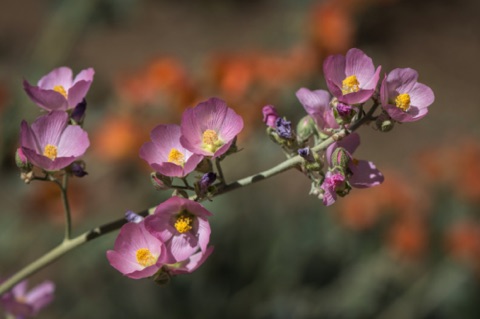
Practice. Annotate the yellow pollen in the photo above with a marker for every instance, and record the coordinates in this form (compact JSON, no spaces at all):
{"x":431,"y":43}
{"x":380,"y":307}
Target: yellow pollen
{"x":350,"y":85}
{"x":402,"y":101}
{"x":50,"y":151}
{"x":210,"y":137}
{"x":145,"y":257}
{"x":176,"y":157}
{"x":60,"y":89}
{"x":183,"y":224}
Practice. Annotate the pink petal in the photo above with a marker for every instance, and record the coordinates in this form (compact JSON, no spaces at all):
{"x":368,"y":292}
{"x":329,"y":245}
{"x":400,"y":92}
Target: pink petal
{"x":85,"y":75}
{"x":334,"y":71}
{"x":365,"y":175}
{"x":48,"y":128}
{"x":47,"y":99}
{"x":59,"y":76}
{"x":421,"y":95}
{"x":359,"y":64}
{"x":78,"y":92}
{"x":73,"y":142}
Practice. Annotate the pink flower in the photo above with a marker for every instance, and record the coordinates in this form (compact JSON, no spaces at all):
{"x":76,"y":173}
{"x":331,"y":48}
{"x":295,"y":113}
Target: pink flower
{"x":317,"y":105}
{"x":21,"y":303}
{"x":137,"y":253}
{"x":190,"y":264}
{"x":210,"y":128}
{"x":58,"y":90}
{"x":50,"y":143}
{"x":332,"y":181}
{"x":361,"y":173}
{"x":182,"y":225}
{"x":270,"y":115}
{"x":166,"y":155}
{"x":404,"y":99}
{"x":351,"y":79}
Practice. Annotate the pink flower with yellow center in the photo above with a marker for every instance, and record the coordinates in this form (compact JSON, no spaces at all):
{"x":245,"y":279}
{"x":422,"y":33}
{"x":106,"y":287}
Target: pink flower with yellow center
{"x":352,"y":79}
{"x":182,"y":225}
{"x":166,"y":155}
{"x":210,"y":128}
{"x":403,"y":98}
{"x":50,"y":143}
{"x":137,"y":253}
{"x":58,"y":90}
{"x":20,"y":303}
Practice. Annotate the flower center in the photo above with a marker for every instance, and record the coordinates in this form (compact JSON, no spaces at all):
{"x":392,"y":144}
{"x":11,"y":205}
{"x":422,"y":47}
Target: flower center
{"x":402,"y":101}
{"x":210,"y":140}
{"x":176,"y":157}
{"x":60,"y":89}
{"x":183,"y":223}
{"x":50,"y":151}
{"x":145,"y":257}
{"x":350,"y":85}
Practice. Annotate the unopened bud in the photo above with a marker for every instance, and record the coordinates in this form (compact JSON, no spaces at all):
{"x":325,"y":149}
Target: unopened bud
{"x":160,"y":182}
{"x":284,"y":128}
{"x":78,"y":169}
{"x":21,"y":160}
{"x":78,"y":113}
{"x":305,"y":128}
{"x":341,"y":158}
{"x":384,"y":123}
{"x":344,"y":112}
{"x":270,"y":115}
{"x":133,"y":217}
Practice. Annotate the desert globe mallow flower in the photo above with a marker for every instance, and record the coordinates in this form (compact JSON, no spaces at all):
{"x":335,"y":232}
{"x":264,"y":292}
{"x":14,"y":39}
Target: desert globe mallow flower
{"x":182,"y":225}
{"x":352,"y":79}
{"x":317,"y":104}
{"x":20,"y":302}
{"x":137,"y":253}
{"x":58,"y":90}
{"x":210,"y":128}
{"x":403,"y":98}
{"x":51,"y":143}
{"x":166,"y":155}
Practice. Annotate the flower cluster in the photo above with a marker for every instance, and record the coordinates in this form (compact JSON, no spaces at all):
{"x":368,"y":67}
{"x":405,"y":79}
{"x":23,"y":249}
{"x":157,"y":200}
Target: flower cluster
{"x":174,"y":239}
{"x":56,"y":140}
{"x":352,"y":80}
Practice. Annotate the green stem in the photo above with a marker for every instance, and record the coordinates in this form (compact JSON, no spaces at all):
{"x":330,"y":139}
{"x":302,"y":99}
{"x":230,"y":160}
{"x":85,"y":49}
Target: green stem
{"x":66,"y":208}
{"x":71,"y":243}
{"x":221,"y":178}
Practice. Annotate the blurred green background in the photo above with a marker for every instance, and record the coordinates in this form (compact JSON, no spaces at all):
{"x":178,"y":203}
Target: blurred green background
{"x":407,"y":249}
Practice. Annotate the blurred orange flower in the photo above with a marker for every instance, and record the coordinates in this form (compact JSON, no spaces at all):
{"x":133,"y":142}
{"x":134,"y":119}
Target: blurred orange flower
{"x":408,"y":237}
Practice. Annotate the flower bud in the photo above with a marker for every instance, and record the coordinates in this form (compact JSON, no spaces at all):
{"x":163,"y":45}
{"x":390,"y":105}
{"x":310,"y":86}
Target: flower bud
{"x":384,"y":123}
{"x":284,"y":128}
{"x":305,"y":128}
{"x":270,"y":115}
{"x":78,"y":113}
{"x":133,"y":217}
{"x":344,"y":112}
{"x":202,"y":187}
{"x":160,"y":182}
{"x":78,"y":169}
{"x":21,"y":160}
{"x":340,"y":159}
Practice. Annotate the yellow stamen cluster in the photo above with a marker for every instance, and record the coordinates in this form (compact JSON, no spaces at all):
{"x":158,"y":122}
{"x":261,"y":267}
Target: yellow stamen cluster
{"x":176,"y":157}
{"x":183,"y":223}
{"x":350,"y":84}
{"x":60,"y":89}
{"x":145,"y":257}
{"x":210,"y":141}
{"x":50,"y":151}
{"x":402,"y":101}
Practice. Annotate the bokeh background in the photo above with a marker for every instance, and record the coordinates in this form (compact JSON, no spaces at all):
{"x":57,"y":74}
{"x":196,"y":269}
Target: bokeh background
{"x":407,"y":249}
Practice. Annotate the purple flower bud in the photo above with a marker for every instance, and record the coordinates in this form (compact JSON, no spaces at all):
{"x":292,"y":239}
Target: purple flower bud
{"x":78,"y":169}
{"x":283,"y":128}
{"x":345,"y":111}
{"x":78,"y":113}
{"x":306,"y":154}
{"x":270,"y":115}
{"x":133,"y":217}
{"x":208,"y":179}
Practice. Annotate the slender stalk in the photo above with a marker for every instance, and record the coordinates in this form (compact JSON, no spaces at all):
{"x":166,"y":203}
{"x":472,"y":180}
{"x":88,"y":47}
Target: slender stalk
{"x":66,"y":208}
{"x":71,"y":243}
{"x":221,"y":178}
